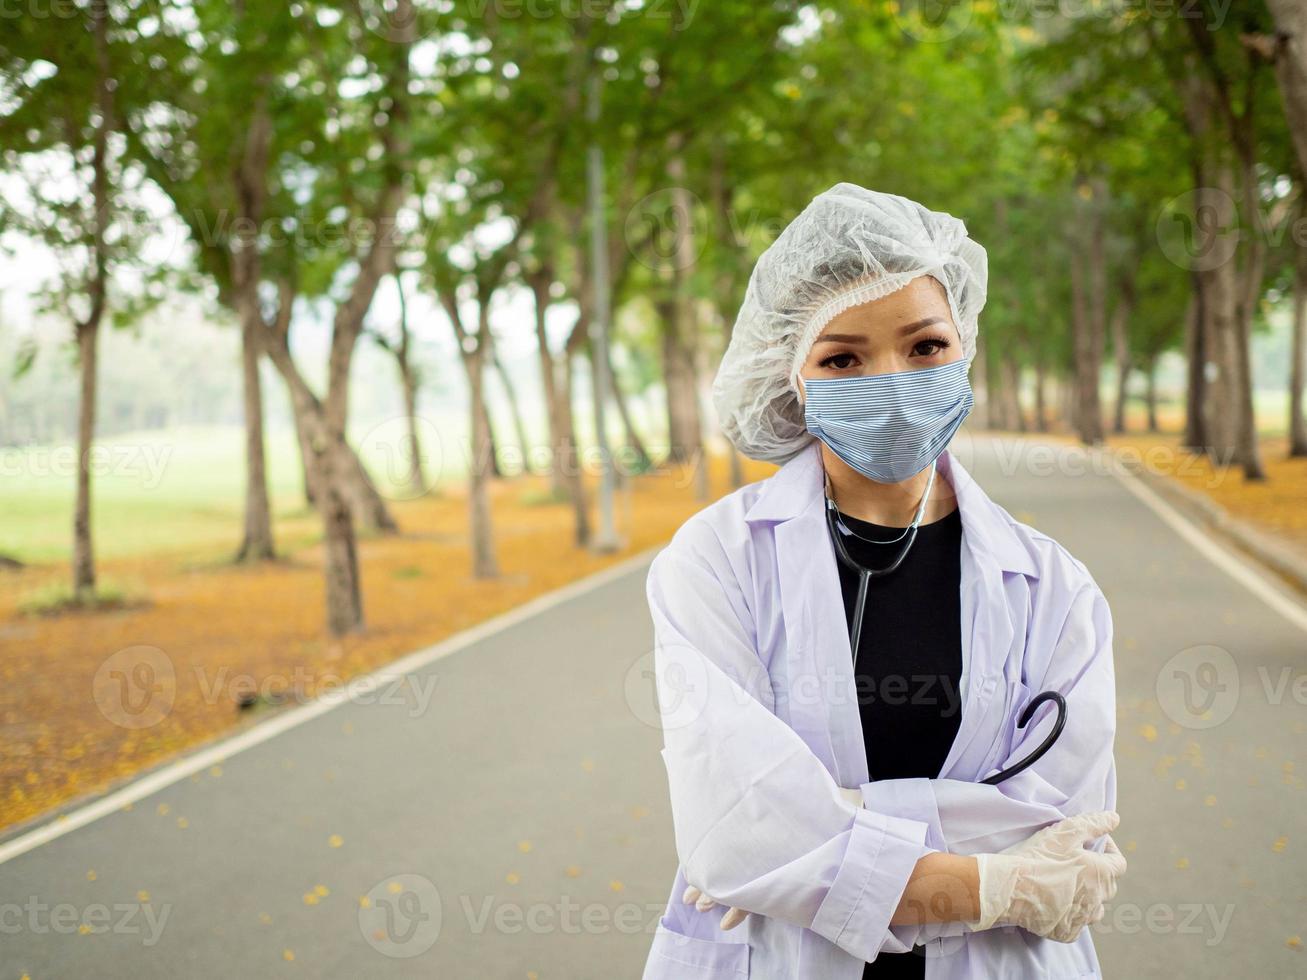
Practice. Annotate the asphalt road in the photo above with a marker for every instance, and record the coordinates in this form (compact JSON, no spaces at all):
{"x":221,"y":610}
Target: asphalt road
{"x":501,"y":812}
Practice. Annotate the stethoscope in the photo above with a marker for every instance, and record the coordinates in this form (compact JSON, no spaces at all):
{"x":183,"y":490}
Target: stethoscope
{"x":838,"y":529}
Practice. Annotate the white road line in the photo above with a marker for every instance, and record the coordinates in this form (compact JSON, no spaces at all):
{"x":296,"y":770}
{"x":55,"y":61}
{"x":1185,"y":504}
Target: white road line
{"x":174,"y":772}
{"x":1219,"y":556}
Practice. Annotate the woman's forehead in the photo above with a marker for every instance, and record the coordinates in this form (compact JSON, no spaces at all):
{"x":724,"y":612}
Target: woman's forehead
{"x":920,"y":304}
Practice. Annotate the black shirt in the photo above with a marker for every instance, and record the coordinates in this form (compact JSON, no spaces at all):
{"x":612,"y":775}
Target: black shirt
{"x":909,"y":661}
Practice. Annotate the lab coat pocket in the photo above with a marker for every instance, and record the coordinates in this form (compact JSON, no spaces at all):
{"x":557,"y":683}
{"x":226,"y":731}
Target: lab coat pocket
{"x":676,"y":955}
{"x":1018,"y":696}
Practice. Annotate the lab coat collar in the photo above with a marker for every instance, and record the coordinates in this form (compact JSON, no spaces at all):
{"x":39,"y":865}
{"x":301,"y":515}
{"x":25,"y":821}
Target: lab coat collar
{"x":800,"y":482}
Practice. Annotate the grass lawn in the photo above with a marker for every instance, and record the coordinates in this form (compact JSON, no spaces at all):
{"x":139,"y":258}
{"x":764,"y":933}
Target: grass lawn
{"x":176,"y":492}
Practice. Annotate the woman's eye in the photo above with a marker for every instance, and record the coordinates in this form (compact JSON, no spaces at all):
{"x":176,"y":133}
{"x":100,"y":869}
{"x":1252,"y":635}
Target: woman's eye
{"x":838,"y":361}
{"x":927,"y":348}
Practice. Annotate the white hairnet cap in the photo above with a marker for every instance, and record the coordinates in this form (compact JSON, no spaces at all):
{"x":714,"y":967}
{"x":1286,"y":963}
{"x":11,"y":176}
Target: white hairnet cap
{"x":849,"y":246}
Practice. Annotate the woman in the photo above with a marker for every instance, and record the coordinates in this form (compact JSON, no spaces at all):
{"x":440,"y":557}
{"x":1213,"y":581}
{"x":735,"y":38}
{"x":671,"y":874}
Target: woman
{"x":829,"y":815}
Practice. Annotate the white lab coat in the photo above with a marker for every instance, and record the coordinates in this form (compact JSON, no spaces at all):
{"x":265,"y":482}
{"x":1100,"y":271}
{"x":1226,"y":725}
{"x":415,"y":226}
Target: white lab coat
{"x":762,"y":728}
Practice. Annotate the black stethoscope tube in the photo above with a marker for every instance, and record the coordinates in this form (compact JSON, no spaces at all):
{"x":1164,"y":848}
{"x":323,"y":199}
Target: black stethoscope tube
{"x":865,"y":575}
{"x":1043,"y":746}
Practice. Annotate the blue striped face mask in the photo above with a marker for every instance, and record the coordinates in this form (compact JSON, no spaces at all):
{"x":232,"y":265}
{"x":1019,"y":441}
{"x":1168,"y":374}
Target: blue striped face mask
{"x":889,"y":427}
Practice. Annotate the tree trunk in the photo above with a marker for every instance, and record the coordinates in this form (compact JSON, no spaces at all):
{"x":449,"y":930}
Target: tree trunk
{"x":1097,"y":298}
{"x":492,"y":451}
{"x":1288,"y":51}
{"x":1195,"y":98}
{"x":83,"y":557}
{"x":416,"y":477}
{"x":1015,"y":418}
{"x":343,"y":472}
{"x":995,"y":406}
{"x":1249,"y":292}
{"x":309,"y":471}
{"x":88,"y":330}
{"x":365,"y":501}
{"x":510,"y":392}
{"x":256,"y":542}
{"x":339,"y":483}
{"x":474,"y":348}
{"x":484,"y":564}
{"x":1000,"y":414}
{"x":722,"y":197}
{"x":1150,"y":393}
{"x":1092,"y":317}
{"x":737,"y":468}
{"x":1196,"y":435}
{"x":1082,"y":402}
{"x":1220,"y":340}
{"x":1237,"y":291}
{"x":684,"y":428}
{"x":983,"y":414}
{"x":1218,"y":325}
{"x":539,"y":282}
{"x":1298,"y":357}
{"x":250,"y":184}
{"x":679,"y":382}
{"x":571,"y":457}
{"x":332,"y":474}
{"x":1041,"y":395}
{"x":1247,"y":448}
{"x":1290,"y":17}
{"x":1007,"y":368}
{"x":565,"y":474}
{"x":1121,"y":349}
{"x":312,"y":424}
{"x":344,"y":596}
{"x":639,"y":456}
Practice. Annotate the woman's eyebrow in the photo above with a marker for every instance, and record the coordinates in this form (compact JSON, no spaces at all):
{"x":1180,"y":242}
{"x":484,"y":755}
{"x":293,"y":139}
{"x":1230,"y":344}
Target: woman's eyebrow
{"x":857,"y":338}
{"x":841,"y":338}
{"x":920,"y":325}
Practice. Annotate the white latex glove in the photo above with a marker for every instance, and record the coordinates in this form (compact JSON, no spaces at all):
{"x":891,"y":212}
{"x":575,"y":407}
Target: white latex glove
{"x":1051,"y":883}
{"x":733,"y":917}
{"x":693,"y":896}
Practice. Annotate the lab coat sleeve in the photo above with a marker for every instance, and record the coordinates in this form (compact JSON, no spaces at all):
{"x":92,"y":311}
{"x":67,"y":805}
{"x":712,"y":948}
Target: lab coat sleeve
{"x":1076,"y":775}
{"x":759,"y":822}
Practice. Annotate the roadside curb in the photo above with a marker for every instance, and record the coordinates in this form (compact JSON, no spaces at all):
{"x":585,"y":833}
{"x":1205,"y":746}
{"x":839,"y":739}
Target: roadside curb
{"x":1285,"y":561}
